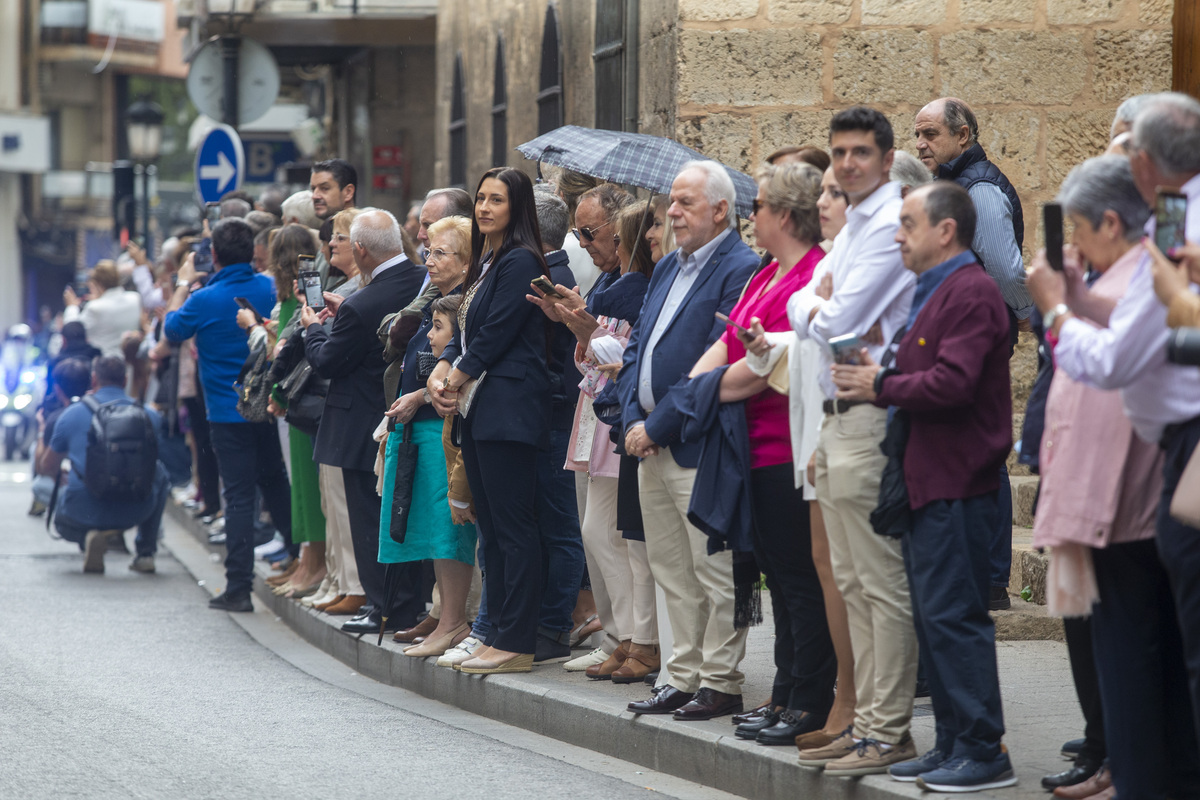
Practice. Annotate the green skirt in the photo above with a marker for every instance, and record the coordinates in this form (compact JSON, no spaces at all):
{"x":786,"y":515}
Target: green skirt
{"x":431,"y":533}
{"x":308,"y":523}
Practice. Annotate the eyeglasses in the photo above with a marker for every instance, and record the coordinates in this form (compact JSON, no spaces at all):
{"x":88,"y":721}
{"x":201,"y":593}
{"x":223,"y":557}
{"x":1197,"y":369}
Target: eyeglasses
{"x":339,"y":237}
{"x":588,"y":234}
{"x":436,"y":255}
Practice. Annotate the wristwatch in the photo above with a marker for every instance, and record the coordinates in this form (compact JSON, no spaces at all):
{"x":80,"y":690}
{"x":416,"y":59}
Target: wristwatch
{"x":425,"y":397}
{"x":180,"y":283}
{"x":1053,"y":314}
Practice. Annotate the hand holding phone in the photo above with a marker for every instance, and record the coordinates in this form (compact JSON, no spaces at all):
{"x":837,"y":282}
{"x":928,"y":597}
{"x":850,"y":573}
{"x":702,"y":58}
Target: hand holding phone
{"x":1170,"y":222}
{"x":244,"y":303}
{"x":1052,"y":230}
{"x":310,"y":284}
{"x":543,"y":283}
{"x":847,"y":349}
{"x":742,"y":331}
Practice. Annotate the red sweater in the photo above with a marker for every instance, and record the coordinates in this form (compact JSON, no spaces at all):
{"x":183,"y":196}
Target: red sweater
{"x":954,"y":382}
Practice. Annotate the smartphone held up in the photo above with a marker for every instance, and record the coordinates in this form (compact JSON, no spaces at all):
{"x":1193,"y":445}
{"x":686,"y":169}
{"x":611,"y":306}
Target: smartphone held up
{"x":1170,"y":221}
{"x":1052,"y":231}
{"x":310,"y":283}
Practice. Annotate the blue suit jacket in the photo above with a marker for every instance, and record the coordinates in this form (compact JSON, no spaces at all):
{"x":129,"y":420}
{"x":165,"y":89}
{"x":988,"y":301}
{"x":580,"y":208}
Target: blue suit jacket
{"x":691,"y":332}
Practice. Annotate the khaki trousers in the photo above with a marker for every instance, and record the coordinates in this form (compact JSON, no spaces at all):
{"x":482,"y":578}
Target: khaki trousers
{"x":698,"y":587}
{"x":869,"y":571}
{"x":339,"y":548}
{"x":622,"y":584}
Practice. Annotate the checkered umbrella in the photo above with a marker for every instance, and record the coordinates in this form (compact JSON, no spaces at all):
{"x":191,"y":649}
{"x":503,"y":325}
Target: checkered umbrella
{"x":635,"y":159}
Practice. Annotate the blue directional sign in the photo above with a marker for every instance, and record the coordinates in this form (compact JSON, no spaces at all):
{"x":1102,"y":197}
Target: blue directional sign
{"x":220,"y":164}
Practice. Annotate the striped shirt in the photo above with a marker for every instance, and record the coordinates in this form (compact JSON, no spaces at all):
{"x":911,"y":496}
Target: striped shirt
{"x":997,"y":248}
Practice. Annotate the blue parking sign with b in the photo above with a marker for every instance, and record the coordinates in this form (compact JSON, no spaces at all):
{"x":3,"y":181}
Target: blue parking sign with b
{"x":220,"y":164}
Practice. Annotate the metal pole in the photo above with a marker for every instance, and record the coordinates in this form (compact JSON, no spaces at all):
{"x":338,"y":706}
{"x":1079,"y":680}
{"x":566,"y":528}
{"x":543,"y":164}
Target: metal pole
{"x":146,"y":207}
{"x":229,"y":55}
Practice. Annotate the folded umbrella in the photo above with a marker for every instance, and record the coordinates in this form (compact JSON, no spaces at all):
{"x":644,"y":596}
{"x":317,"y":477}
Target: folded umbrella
{"x":634,"y":159}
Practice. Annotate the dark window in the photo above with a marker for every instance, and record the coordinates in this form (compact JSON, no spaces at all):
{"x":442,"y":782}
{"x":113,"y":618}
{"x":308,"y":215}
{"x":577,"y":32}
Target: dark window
{"x":609,"y":61}
{"x":549,"y":99}
{"x":458,"y":128}
{"x":500,"y":109}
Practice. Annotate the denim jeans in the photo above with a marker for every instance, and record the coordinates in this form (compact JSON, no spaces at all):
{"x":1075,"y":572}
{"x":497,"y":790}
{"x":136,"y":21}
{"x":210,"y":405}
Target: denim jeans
{"x":1000,"y":552}
{"x":481,"y":627}
{"x":249,"y":455}
{"x":148,"y":523}
{"x":562,"y":543}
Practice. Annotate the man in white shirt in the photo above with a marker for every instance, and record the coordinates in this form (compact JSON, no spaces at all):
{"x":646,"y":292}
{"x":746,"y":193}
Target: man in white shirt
{"x":869,"y":285}
{"x":110,"y":313}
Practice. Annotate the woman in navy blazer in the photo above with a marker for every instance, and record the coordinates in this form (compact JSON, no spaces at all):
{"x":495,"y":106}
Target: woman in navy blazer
{"x":502,"y":344}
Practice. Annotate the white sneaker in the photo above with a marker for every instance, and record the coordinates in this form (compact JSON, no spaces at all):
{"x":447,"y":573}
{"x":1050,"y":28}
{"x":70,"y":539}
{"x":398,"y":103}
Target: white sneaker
{"x":324,"y":592}
{"x":269,"y":549}
{"x":460,"y":652}
{"x":181,"y":494}
{"x":597,"y":656}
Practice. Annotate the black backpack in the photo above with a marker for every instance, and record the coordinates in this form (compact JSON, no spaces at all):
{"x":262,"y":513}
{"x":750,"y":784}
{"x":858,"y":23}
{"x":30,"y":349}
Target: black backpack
{"x":122,"y":451}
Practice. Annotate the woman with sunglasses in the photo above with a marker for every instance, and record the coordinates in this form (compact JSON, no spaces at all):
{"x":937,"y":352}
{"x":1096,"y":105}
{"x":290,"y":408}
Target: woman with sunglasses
{"x":494,"y":375}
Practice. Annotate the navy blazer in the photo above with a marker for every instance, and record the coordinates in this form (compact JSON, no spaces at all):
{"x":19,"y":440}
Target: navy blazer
{"x":506,"y":336}
{"x":564,"y":377}
{"x":693,"y":329}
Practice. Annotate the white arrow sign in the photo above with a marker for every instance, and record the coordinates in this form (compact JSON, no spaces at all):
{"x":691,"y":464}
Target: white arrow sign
{"x":222,"y":172}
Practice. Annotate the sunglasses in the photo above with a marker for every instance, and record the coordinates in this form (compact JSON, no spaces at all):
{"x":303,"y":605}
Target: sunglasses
{"x":757,"y":205}
{"x":588,"y":234}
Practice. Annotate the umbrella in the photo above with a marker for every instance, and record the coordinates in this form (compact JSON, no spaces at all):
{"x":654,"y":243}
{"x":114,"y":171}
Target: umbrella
{"x":635,"y":159}
{"x":405,"y":472}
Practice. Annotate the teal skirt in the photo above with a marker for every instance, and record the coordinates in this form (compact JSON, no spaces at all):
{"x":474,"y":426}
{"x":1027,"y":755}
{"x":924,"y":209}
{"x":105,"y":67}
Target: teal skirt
{"x":431,"y":533}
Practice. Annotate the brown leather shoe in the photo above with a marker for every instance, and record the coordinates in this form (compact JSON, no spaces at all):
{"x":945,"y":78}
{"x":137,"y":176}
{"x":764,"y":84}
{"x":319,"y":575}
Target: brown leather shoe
{"x":328,"y":604}
{"x":604,"y":670}
{"x":709,"y":703}
{"x":752,"y":714}
{"x":421,"y":629}
{"x":351,"y":604}
{"x":282,"y":578}
{"x":663,"y":700}
{"x":643,"y":659}
{"x":1100,"y":782}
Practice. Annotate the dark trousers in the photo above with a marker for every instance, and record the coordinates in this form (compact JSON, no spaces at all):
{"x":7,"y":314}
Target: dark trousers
{"x":506,"y":507}
{"x":394,"y":589}
{"x":249,"y":456}
{"x":1078,"y":631}
{"x":805,"y":664}
{"x":1143,"y":680}
{"x":208,"y":476}
{"x":1000,"y":553}
{"x":946,"y":558}
{"x":146,"y":517}
{"x":562,"y":544}
{"x":1179,"y":549}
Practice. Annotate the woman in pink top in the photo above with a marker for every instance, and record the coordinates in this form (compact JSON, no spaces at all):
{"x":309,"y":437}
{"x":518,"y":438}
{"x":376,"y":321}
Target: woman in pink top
{"x":1100,"y":490}
{"x":786,"y":223}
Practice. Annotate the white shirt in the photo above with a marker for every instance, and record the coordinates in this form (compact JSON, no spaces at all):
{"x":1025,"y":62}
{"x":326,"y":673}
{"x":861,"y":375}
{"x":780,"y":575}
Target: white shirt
{"x":582,"y":266}
{"x":1131,"y":353}
{"x":870,"y":282}
{"x":685,"y":279}
{"x":108,"y":317}
{"x":391,"y":262}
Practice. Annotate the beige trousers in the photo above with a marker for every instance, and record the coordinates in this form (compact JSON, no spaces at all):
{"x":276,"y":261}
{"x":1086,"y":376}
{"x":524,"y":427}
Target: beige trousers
{"x":869,"y":571}
{"x":339,"y":549}
{"x":707,"y":649}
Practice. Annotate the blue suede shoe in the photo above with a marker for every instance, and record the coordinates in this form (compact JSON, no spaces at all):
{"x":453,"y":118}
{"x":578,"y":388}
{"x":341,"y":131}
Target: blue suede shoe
{"x":969,"y":775}
{"x":909,"y":771}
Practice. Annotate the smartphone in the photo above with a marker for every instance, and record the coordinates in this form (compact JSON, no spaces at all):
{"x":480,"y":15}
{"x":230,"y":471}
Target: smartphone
{"x":847,"y":349}
{"x":742,"y":331}
{"x":1052,"y":231}
{"x":310,"y":284}
{"x":1170,"y":221}
{"x":203,"y":255}
{"x":543,"y":283}
{"x":212,"y":212}
{"x":244,"y":303}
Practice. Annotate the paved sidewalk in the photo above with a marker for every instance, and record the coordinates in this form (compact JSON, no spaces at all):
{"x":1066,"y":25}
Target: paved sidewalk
{"x":1039,"y":704}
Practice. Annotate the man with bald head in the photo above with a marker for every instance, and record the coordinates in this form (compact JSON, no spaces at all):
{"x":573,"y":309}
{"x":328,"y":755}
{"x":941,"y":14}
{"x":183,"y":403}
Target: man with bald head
{"x":350,"y":355}
{"x":948,"y":144}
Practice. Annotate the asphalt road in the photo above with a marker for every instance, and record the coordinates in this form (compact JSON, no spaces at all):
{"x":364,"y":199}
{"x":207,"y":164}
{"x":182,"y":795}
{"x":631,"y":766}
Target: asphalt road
{"x":128,"y":686}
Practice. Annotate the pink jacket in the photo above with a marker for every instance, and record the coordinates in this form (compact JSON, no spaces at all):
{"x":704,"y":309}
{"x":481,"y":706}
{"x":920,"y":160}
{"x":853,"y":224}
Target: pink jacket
{"x":1100,"y":482}
{"x":589,"y":448}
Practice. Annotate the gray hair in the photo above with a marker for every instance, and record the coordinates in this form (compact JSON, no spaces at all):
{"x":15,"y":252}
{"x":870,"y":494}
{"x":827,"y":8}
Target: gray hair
{"x":458,"y":202}
{"x":552,"y":219}
{"x":718,"y":186}
{"x":1105,"y":183}
{"x":1168,"y":128}
{"x":1128,"y":110}
{"x":299,"y":208}
{"x":907,"y":170}
{"x":794,"y":187}
{"x":378,"y":232}
{"x":956,"y":114}
{"x":235,"y":207}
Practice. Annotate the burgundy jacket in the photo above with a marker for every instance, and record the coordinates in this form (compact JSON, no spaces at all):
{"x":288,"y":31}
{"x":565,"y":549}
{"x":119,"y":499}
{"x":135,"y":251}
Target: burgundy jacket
{"x":953,"y":379}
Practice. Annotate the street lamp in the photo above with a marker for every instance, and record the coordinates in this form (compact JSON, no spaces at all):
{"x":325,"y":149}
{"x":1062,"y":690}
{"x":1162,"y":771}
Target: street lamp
{"x":144,"y":124}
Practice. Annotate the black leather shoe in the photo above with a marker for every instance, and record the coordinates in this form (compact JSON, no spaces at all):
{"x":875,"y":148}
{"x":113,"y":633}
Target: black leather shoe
{"x":709,"y":703}
{"x":652,"y":678}
{"x":366,"y":611}
{"x":665,"y":700}
{"x":227,"y":602}
{"x":998,"y":599}
{"x":1072,"y":747}
{"x":1076,"y":774}
{"x":370,"y":624}
{"x":790,"y":725}
{"x":750,"y":728}
{"x":752,"y":714}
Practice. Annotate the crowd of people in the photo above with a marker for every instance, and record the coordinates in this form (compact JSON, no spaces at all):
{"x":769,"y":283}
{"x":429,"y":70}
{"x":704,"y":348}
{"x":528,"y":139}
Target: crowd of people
{"x":538,"y":405}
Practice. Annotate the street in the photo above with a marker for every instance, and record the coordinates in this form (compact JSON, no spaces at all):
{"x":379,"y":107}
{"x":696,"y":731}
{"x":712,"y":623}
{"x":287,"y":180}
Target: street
{"x":126,"y":685}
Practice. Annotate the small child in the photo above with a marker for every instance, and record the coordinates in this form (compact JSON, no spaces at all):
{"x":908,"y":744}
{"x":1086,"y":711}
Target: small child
{"x":445,"y":325}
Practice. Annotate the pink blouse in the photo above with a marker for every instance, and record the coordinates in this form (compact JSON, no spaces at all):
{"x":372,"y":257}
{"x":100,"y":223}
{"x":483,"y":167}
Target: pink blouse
{"x":767,"y":412}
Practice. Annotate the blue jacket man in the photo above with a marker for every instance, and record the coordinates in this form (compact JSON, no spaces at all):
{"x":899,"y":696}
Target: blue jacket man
{"x":248,"y":453}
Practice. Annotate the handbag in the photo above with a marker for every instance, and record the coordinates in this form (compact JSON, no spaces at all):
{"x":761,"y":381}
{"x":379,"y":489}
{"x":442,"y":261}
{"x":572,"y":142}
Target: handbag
{"x":254,"y":387}
{"x":780,"y":379}
{"x":402,"y":485}
{"x":1185,"y":503}
{"x":304,"y":392}
{"x":892,"y":515}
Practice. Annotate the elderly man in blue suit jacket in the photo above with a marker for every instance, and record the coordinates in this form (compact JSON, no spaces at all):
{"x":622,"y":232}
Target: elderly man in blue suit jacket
{"x":677,"y":324}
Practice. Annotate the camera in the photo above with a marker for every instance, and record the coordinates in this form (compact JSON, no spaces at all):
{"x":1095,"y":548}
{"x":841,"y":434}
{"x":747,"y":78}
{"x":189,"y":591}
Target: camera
{"x":1184,"y":347}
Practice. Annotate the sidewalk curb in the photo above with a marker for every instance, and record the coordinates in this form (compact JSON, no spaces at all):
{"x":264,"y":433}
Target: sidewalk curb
{"x":694,"y":751}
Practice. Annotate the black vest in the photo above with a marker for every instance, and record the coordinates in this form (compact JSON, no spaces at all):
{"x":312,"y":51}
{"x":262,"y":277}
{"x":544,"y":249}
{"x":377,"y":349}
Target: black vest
{"x":972,"y":167}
